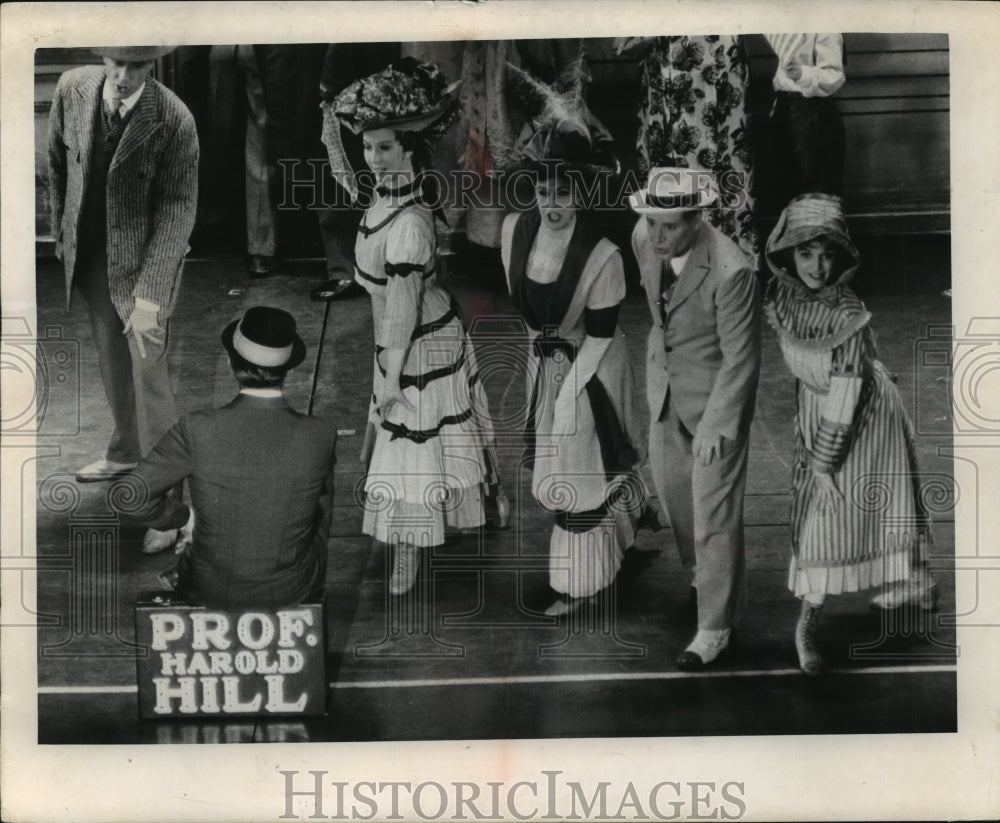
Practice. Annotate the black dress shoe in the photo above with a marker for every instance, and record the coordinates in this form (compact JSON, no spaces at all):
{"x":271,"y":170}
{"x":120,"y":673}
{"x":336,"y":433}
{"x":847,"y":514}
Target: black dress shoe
{"x":260,"y":265}
{"x":689,"y":662}
{"x":705,"y":649}
{"x":335,"y":289}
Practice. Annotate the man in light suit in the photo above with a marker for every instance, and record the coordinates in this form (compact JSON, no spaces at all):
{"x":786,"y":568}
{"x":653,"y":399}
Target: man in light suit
{"x":703,"y":363}
{"x":260,"y":476}
{"x":123,"y":163}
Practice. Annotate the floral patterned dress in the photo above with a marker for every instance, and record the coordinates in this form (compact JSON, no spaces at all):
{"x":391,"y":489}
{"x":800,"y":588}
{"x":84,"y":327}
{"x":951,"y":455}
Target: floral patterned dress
{"x":694,"y":115}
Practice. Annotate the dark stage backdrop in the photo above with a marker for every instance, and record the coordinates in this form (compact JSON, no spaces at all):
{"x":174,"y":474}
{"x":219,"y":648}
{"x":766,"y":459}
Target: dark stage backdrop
{"x":895,"y":105}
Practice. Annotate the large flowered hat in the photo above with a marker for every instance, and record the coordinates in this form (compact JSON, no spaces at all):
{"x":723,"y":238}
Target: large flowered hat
{"x":562,"y":133}
{"x":407,"y":96}
{"x":804,"y":219}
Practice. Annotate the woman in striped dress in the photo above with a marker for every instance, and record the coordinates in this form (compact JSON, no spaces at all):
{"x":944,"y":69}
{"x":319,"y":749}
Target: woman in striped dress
{"x":431,"y":464}
{"x":857,"y":517}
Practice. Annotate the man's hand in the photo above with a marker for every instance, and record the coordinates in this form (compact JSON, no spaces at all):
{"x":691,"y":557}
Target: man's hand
{"x":142,"y":323}
{"x":794,"y":71}
{"x":828,"y":496}
{"x":185,"y":535}
{"x":706,"y":446}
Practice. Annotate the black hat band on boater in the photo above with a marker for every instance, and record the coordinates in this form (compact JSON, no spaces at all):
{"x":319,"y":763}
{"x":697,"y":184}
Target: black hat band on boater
{"x":679,"y":201}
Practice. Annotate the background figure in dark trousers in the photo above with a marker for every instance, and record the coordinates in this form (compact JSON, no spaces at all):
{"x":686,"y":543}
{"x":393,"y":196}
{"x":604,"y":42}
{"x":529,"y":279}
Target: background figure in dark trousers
{"x":269,"y":77}
{"x":808,"y":128}
{"x":338,"y":225}
{"x":123,"y":163}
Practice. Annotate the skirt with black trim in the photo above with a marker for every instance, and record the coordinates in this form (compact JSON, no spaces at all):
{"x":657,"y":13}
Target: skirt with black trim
{"x":430,"y":466}
{"x":587,"y":478}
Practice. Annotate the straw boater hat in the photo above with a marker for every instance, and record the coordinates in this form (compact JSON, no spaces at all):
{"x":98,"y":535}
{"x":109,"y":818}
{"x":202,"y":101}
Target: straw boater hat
{"x":265,"y":337}
{"x":133,"y":54}
{"x":805,"y":218}
{"x":674,"y":191}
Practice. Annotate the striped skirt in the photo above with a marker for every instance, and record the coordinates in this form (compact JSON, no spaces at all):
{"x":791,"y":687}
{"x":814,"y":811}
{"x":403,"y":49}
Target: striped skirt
{"x":880,"y":531}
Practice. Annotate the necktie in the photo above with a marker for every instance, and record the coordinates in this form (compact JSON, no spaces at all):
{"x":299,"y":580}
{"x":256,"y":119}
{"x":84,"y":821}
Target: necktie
{"x":668,"y":279}
{"x":113,"y":113}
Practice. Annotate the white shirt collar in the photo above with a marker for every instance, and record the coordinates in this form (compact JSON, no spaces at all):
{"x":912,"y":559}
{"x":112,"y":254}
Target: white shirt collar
{"x":127,"y":103}
{"x":678,"y":263}
{"x":261,"y":392}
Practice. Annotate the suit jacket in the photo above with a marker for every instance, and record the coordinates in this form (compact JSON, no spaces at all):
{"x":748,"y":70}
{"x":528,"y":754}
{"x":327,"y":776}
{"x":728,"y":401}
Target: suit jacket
{"x":152,"y":187}
{"x":261,"y":481}
{"x":706,"y":357}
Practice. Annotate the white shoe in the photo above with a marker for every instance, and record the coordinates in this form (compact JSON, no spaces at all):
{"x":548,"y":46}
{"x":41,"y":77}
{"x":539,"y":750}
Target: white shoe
{"x":707,"y":645}
{"x":564,"y":605}
{"x":919,"y":592}
{"x":404,"y":570}
{"x":156,"y":541}
{"x":103,"y":470}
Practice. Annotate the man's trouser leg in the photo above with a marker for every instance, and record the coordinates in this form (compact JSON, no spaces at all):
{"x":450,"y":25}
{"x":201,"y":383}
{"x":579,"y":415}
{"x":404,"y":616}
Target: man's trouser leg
{"x":672,"y":479}
{"x":155,"y":407}
{"x":262,"y":215}
{"x":708,"y":501}
{"x":113,"y":358}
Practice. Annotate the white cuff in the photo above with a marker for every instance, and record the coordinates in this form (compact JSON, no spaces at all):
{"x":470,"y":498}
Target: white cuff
{"x":146,"y":305}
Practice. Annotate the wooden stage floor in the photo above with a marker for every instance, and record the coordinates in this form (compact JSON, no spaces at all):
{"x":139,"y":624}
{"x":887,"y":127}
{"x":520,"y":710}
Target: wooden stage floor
{"x":471,"y":654}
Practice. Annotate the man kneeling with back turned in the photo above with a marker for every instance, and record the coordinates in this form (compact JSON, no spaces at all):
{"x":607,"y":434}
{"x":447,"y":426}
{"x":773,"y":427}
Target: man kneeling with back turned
{"x":260,"y":477}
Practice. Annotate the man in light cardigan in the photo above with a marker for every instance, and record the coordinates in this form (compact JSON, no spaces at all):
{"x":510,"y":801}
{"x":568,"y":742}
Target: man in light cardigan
{"x":123,"y":163}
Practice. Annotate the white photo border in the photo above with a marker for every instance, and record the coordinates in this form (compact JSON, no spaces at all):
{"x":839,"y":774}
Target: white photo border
{"x":941,"y":776}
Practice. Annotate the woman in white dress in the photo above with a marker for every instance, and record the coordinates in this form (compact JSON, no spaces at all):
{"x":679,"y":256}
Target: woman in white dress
{"x":568,"y":282}
{"x":431,"y":463}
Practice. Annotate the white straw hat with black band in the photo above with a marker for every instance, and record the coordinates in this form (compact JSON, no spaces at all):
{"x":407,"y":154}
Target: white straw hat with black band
{"x":675,"y":190}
